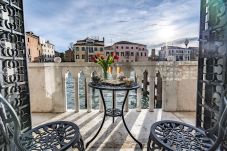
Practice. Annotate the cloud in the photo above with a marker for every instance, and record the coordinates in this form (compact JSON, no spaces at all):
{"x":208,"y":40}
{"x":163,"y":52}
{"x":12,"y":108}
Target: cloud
{"x":132,"y":20}
{"x":179,"y":41}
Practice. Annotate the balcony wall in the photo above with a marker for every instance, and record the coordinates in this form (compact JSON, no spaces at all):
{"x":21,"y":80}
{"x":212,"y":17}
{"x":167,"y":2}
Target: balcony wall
{"x":47,"y":84}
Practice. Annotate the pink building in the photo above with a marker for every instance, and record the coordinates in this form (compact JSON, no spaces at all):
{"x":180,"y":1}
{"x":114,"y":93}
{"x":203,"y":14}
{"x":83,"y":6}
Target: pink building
{"x":128,"y":51}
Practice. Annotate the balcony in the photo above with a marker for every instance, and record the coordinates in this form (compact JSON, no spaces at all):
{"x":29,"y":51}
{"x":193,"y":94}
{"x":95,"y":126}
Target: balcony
{"x":178,"y":100}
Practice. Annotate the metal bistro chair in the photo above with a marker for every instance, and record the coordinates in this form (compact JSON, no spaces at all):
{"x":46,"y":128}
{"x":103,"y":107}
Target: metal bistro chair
{"x":53,"y":136}
{"x":178,"y":136}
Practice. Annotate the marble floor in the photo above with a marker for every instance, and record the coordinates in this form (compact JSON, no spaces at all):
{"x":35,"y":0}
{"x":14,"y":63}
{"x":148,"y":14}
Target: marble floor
{"x":113,"y":136}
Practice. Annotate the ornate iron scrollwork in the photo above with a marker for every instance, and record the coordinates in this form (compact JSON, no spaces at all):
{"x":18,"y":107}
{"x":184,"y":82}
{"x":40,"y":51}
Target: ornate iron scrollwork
{"x":13,"y":65}
{"x":212,"y":62}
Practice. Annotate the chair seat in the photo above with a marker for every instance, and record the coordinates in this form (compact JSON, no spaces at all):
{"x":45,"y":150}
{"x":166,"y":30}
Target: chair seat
{"x":59,"y":135}
{"x":174,"y":135}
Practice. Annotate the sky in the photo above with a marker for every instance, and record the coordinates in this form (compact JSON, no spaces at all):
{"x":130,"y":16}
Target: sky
{"x":150,"y":22}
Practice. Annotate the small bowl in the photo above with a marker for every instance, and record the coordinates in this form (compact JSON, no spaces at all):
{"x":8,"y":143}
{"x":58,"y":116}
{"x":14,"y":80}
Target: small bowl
{"x":121,"y":78}
{"x":128,"y":82}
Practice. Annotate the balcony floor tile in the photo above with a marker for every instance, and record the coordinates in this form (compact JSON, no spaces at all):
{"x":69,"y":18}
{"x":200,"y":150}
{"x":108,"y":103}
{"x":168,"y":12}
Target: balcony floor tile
{"x":113,"y":136}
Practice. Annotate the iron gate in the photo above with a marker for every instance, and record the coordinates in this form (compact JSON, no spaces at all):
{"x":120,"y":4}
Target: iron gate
{"x":13,"y":65}
{"x":212,"y":79}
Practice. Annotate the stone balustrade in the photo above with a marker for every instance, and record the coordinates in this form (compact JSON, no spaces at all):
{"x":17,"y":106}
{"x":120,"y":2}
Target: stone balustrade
{"x":47,"y":84}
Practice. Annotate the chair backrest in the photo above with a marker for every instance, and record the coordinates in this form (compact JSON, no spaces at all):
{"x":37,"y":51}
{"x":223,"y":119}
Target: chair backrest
{"x":9,"y":122}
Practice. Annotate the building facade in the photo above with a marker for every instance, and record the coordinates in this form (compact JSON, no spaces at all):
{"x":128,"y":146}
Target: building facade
{"x":33,"y":47}
{"x":69,"y":56}
{"x":153,"y":56}
{"x":38,"y":49}
{"x":174,"y":53}
{"x":194,"y":53}
{"x":85,"y":49}
{"x":128,"y":51}
{"x":48,"y":51}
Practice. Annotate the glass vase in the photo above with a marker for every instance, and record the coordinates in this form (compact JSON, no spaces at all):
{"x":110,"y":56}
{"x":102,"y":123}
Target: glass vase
{"x":105,"y":74}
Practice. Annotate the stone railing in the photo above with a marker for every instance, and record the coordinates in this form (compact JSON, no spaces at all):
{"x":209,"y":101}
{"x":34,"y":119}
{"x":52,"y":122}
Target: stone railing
{"x":47,"y":84}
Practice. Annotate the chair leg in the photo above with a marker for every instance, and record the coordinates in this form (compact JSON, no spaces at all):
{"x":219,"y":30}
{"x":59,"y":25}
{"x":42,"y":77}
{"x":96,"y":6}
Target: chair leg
{"x":156,"y":147}
{"x":149,"y":144}
{"x":79,"y":145}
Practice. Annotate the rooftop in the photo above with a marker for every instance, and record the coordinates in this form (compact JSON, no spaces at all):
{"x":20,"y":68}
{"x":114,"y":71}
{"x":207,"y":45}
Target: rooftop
{"x":129,"y":43}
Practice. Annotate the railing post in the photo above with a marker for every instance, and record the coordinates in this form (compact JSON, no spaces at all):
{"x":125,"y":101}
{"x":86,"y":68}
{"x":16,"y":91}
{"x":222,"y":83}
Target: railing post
{"x":139,"y":96}
{"x":77,"y":98}
{"x":138,"y":93}
{"x":151,"y":93}
{"x":164,"y":93}
{"x":88,"y":96}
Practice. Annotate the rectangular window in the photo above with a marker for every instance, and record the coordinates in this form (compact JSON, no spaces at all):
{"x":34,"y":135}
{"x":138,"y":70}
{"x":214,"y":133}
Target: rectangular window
{"x":91,"y":49}
{"x":77,"y":57}
{"x":122,"y":53}
{"x":132,"y":54}
{"x":107,"y":53}
{"x":145,"y":54}
{"x":95,"y":48}
{"x":83,"y":56}
{"x":117,"y":53}
{"x":77,"y":49}
{"x":141,"y":54}
{"x":137,"y":54}
{"x":29,"y":51}
{"x":83,"y":49}
{"x":101,"y":49}
{"x":28,"y":39}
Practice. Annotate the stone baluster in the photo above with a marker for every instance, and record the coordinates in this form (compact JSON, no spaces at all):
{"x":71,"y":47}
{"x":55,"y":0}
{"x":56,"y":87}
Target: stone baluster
{"x":164,"y":99}
{"x":88,"y":94}
{"x":139,"y":93}
{"x":151,"y":92}
{"x":139,"y":97}
{"x":77,"y":98}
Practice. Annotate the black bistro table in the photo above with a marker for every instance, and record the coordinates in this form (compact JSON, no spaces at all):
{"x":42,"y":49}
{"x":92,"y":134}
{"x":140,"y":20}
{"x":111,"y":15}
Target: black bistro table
{"x":113,"y":112}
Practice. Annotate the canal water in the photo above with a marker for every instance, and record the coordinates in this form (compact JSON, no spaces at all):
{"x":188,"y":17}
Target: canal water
{"x":70,"y":92}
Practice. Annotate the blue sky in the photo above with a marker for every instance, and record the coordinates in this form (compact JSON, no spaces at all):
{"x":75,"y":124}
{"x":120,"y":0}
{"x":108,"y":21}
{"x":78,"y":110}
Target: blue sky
{"x":150,"y":22}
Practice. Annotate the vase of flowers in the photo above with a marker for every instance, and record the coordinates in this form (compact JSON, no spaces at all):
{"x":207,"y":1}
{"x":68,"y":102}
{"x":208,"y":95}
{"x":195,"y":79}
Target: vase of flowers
{"x":105,"y":62}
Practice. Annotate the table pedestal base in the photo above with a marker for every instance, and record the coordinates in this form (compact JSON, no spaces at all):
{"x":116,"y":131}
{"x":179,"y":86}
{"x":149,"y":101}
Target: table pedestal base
{"x":114,"y":113}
